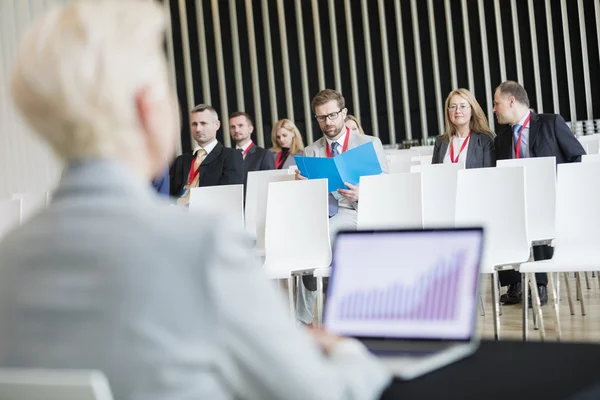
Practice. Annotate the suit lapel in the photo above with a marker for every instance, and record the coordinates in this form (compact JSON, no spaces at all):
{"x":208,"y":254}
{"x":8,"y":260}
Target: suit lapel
{"x":353,"y":141}
{"x":444,"y":149}
{"x":472,"y":152}
{"x":212,"y":156}
{"x":534,"y":129}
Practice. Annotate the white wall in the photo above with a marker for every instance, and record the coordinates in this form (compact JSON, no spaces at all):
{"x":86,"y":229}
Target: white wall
{"x":26,"y":163}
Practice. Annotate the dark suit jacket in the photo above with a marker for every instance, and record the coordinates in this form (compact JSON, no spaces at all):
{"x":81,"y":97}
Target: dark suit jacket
{"x":258,"y":159}
{"x":480,"y":151}
{"x":549,"y":136}
{"x":222,"y":166}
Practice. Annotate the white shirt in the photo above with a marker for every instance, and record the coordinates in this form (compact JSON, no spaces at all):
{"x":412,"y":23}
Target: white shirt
{"x":208,"y":148}
{"x":524,"y":137}
{"x":244,"y":147}
{"x":457,"y":143}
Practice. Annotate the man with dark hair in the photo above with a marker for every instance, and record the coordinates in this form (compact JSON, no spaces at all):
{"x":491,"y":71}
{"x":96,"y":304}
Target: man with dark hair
{"x":531,"y":135}
{"x":210,"y":164}
{"x":255,"y":158}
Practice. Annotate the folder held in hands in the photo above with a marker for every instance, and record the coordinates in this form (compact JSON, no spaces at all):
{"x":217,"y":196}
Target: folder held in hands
{"x":346,"y":167}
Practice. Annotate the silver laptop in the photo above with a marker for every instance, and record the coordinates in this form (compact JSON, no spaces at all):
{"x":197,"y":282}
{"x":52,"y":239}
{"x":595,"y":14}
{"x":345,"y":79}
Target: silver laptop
{"x":409,"y":295}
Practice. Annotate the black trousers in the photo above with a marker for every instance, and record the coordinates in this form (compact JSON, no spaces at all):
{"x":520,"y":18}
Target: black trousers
{"x":543,"y":252}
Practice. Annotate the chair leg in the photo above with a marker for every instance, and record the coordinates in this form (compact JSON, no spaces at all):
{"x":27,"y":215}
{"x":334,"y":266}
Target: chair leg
{"x":481,"y":307}
{"x":556,"y":309}
{"x":496,"y":305}
{"x":319,"y":301}
{"x":525,"y":291}
{"x":291,"y":297}
{"x":587,"y":280}
{"x":577,"y":288}
{"x":537,"y":305}
{"x":569,"y":295}
{"x":580,"y":292}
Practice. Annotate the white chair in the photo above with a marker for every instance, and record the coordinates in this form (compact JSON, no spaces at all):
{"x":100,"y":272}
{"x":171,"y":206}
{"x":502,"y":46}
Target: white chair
{"x":540,"y":186}
{"x":43,"y":384}
{"x":438,"y":182}
{"x":400,"y":166}
{"x":423,"y":160}
{"x":257,"y":183}
{"x":495,"y":198}
{"x":31,"y":203}
{"x":577,"y":228}
{"x":423,"y":150}
{"x":390,"y":201}
{"x":590,"y":158}
{"x":227,"y":200}
{"x":10,"y":215}
{"x":296,"y":231}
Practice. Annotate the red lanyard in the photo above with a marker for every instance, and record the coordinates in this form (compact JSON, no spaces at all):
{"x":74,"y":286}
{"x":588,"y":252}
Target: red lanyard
{"x":280,"y":160}
{"x":247,"y":149}
{"x":518,"y":144}
{"x":455,"y":160}
{"x":344,"y":148}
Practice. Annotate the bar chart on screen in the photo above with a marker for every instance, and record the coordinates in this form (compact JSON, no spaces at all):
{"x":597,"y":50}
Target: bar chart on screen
{"x":431,"y":297}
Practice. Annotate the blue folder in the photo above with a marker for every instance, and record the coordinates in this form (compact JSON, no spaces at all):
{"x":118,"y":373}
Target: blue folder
{"x":346,"y":167}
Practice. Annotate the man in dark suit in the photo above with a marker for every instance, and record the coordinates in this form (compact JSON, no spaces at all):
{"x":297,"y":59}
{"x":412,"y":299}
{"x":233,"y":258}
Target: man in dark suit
{"x":530,"y":135}
{"x":255,"y":158}
{"x":210,"y":164}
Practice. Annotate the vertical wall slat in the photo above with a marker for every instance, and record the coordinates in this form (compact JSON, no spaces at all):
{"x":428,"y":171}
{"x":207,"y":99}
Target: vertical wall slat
{"x":304,"y":71}
{"x":597,"y":10}
{"x":568,"y":59}
{"x":419,"y":64}
{"x":536,"y":60}
{"x":171,"y":60}
{"x":468,"y":53}
{"x":335,"y":53}
{"x":370,"y":71}
{"x":187,"y":60}
{"x":285,"y":59}
{"x":318,"y":45}
{"x":221,"y":72}
{"x":269,"y":60}
{"x":486,"y":65}
{"x":389,"y":99}
{"x":439,"y":106}
{"x":517,"y":37}
{"x":256,"y":99}
{"x":352,"y":56}
{"x":403,"y":77}
{"x":586,"y":66}
{"x":553,"y":77}
{"x":202,"y":52}
{"x":237,"y":58}
{"x":451,"y":51}
{"x":500,"y":38}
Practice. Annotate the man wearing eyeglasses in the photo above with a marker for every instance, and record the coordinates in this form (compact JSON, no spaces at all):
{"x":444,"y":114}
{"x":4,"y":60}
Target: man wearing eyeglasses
{"x":330,"y":111}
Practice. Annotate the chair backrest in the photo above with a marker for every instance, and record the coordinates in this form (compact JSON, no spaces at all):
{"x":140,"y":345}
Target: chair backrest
{"x":577,"y":212}
{"x":400,"y":166}
{"x":24,"y":384}
{"x":31,"y":203}
{"x":257,"y":184}
{"x":590,"y":158}
{"x":390,"y":201}
{"x":422,"y":159}
{"x":227,"y":200}
{"x":297,"y":225}
{"x":495,"y":198}
{"x":438,"y":182}
{"x":423,"y":150}
{"x":540,"y":185}
{"x":10,"y":215}
{"x":401,"y":156}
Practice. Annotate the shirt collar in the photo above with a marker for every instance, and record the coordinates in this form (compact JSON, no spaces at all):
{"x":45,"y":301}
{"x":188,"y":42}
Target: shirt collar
{"x":340,"y":140}
{"x":522,"y":121}
{"x":244,"y":147}
{"x":208,"y":148}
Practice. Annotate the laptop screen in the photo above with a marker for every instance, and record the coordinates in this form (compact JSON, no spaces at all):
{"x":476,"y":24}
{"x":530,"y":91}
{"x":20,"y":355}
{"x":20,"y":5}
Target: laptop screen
{"x":413,"y":284}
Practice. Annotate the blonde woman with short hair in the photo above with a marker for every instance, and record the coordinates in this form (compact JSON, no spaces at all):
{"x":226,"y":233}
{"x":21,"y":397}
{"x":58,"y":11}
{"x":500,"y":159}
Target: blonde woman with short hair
{"x":468,"y":137}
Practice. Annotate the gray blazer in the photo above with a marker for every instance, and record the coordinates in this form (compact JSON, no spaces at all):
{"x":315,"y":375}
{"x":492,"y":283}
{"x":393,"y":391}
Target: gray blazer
{"x":168,"y":304}
{"x":480,"y":152}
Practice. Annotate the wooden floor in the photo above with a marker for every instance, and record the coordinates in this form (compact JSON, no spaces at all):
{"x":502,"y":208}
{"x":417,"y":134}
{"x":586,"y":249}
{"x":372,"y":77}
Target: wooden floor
{"x":575,"y":328}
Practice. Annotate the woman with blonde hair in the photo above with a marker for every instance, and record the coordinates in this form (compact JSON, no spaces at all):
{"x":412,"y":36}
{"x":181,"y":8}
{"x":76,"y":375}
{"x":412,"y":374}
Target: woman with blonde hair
{"x":468,"y":137}
{"x":287,"y":141}
{"x":352,"y":123}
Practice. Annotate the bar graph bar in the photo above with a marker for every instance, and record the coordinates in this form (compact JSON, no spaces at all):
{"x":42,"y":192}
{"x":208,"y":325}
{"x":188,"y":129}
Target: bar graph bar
{"x":432,"y":297}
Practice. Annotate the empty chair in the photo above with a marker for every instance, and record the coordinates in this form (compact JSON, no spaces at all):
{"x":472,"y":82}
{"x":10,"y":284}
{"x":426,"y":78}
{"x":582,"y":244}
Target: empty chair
{"x":438,"y":182}
{"x":400,"y":166}
{"x":40,"y":384}
{"x":390,"y":201}
{"x":31,"y":203}
{"x":495,"y":198}
{"x":540,"y":185}
{"x":423,"y":150}
{"x":227,"y":200}
{"x":401,"y":155}
{"x":296,"y":230}
{"x":10,"y":215}
{"x":590,"y":158}
{"x":422,"y":159}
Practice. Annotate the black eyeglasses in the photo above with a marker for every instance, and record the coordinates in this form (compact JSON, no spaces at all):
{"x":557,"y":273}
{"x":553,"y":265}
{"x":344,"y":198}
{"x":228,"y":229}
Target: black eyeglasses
{"x":331,"y":116}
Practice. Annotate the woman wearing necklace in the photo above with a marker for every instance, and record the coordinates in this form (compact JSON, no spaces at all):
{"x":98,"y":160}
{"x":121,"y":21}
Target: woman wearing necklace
{"x":287,"y":143}
{"x":468,"y":137}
